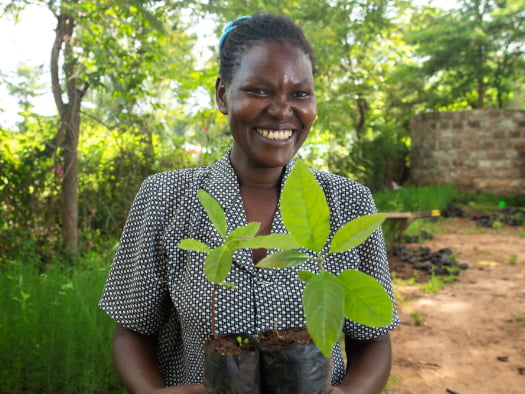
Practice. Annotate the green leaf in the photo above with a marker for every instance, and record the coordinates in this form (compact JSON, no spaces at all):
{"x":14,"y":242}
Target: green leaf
{"x":270,"y":241}
{"x":284,"y":259}
{"x":305,"y":275}
{"x":304,"y":208}
{"x":323,"y":304}
{"x":241,"y":234}
{"x":355,"y":232}
{"x":366,"y":301}
{"x":214,"y":211}
{"x":218,"y":264}
{"x":192,"y":244}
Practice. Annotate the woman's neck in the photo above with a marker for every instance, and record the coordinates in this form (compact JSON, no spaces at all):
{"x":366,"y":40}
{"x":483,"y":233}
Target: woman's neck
{"x":257,"y":178}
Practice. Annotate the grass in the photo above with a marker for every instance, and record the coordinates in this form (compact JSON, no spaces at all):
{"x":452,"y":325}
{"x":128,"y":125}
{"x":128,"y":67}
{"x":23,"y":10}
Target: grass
{"x":436,"y":283}
{"x":53,"y":337}
{"x":396,"y":381}
{"x":418,"y":319}
{"x":416,"y":198}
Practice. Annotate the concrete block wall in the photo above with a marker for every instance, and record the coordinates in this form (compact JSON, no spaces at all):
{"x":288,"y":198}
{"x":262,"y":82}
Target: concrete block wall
{"x":476,"y":150}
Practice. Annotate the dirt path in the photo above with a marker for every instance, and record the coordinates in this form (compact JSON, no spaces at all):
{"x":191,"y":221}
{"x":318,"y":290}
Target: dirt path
{"x":471,"y":336}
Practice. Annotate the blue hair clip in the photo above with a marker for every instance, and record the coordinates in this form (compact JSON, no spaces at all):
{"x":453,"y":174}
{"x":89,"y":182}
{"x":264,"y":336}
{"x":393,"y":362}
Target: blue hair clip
{"x":229,"y":27}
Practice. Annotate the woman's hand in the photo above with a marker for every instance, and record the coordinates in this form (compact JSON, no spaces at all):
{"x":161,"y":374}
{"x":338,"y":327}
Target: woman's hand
{"x":369,"y":364}
{"x":133,"y":355}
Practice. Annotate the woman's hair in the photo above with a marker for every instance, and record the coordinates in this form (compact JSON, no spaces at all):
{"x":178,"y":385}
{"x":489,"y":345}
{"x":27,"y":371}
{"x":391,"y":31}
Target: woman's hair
{"x":246,"y":32}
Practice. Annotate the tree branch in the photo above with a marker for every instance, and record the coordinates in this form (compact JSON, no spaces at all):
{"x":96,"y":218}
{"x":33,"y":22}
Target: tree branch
{"x":55,"y":54}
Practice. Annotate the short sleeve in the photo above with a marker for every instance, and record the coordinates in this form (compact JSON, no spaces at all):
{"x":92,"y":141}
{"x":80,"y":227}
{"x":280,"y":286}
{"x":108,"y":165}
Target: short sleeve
{"x":135,"y":293}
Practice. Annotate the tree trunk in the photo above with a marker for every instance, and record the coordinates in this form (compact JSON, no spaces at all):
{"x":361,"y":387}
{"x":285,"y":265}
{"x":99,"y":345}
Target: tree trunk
{"x":69,"y":130}
{"x":480,"y":80}
{"x":71,"y":123}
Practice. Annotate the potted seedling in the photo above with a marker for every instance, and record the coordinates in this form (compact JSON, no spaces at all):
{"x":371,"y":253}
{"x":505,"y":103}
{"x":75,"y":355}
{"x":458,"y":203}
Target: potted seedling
{"x":327,"y":298}
{"x":231,"y":362}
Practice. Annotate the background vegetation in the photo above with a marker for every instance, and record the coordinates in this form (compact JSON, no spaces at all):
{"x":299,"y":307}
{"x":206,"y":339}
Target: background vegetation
{"x":133,"y":84}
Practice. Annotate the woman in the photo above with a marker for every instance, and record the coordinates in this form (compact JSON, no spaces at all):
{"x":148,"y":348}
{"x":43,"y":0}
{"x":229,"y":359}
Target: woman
{"x":158,"y":294}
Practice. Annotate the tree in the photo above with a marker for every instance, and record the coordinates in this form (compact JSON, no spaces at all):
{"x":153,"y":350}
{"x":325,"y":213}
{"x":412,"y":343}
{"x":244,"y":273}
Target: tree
{"x":69,"y":113}
{"x":125,"y":47}
{"x":473,"y":54}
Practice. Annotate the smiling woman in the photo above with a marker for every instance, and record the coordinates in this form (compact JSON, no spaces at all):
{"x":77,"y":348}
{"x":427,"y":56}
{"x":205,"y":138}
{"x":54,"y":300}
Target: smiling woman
{"x":158,"y":293}
{"x":270,"y":105}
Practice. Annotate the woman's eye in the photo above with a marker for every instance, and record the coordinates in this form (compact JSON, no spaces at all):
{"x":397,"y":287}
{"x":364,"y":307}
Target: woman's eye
{"x":259,"y":92}
{"x":302,"y":94}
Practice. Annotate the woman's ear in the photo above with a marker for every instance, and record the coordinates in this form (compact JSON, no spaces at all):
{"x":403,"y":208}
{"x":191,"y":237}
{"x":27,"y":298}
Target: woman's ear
{"x":220,"y":95}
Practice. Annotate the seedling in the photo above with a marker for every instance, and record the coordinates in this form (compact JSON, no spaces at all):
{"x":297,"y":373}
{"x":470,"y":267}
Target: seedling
{"x":241,"y":341}
{"x":218,"y":261}
{"x":328,"y":298}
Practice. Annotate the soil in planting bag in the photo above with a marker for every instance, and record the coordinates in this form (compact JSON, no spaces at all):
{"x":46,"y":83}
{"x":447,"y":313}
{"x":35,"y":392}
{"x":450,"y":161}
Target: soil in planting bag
{"x":232,"y":365}
{"x":292,"y":368}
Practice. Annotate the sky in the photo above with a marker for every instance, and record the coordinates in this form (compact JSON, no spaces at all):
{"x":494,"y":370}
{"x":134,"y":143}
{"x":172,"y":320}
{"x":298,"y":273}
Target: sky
{"x":29,"y":43}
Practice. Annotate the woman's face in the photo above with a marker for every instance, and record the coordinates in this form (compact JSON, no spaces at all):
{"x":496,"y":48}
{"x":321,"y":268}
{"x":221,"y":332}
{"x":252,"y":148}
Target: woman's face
{"x":270,"y":104}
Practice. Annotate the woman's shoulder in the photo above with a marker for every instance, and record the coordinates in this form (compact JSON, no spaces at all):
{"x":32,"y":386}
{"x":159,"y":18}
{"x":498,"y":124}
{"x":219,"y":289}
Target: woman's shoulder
{"x":331,"y":181}
{"x":345,"y":196}
{"x":169,"y":179}
{"x":172,"y":185}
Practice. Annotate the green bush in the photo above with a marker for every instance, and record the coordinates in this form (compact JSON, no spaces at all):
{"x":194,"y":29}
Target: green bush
{"x":416,"y":198}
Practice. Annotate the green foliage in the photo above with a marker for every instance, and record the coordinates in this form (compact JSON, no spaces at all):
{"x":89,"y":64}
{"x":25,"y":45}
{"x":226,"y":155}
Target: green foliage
{"x":364,"y":299}
{"x":327,"y":299}
{"x":379,"y":159}
{"x":29,"y":196}
{"x":355,"y":232}
{"x":324,"y":309}
{"x":53,"y":337}
{"x":214,"y":211}
{"x":473,"y":55}
{"x":309,"y":221}
{"x":218,"y":261}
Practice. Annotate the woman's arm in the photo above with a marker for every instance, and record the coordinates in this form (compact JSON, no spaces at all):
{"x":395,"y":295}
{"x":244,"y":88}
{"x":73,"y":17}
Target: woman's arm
{"x":369,"y":364}
{"x":134,"y":359}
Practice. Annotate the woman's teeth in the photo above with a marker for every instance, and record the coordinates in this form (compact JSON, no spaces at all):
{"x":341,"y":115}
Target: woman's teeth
{"x":275,"y":134}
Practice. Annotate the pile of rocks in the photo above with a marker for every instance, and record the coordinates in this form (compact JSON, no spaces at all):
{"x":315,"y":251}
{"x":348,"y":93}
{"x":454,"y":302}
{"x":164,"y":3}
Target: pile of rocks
{"x":441,"y":262}
{"x":506,"y":215}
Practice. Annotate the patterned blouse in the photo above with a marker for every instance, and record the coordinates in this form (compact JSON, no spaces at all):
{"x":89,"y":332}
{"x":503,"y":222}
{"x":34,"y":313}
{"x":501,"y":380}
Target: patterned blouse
{"x":155,"y":288}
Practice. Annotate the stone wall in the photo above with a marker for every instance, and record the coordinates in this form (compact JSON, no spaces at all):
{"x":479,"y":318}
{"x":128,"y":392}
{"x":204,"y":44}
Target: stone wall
{"x":477,"y":150}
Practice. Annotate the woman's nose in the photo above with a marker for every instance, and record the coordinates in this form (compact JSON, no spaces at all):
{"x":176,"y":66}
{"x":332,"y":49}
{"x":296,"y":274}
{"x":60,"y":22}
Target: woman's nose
{"x":280,"y":108}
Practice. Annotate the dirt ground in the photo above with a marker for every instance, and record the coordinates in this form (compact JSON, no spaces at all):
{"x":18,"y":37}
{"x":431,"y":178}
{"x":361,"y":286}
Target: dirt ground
{"x":468,"y":337}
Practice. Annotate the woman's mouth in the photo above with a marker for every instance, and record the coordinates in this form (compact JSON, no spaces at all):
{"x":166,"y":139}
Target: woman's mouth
{"x":275,"y":134}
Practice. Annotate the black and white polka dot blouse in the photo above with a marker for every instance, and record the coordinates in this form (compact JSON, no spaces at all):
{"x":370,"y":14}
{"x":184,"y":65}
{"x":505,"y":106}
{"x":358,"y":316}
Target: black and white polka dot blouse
{"x":155,"y":288}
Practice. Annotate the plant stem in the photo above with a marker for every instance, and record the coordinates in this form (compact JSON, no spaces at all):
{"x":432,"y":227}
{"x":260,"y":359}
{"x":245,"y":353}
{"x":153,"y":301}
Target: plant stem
{"x":213,"y":328}
{"x":319,"y":259}
{"x":276,"y":331}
